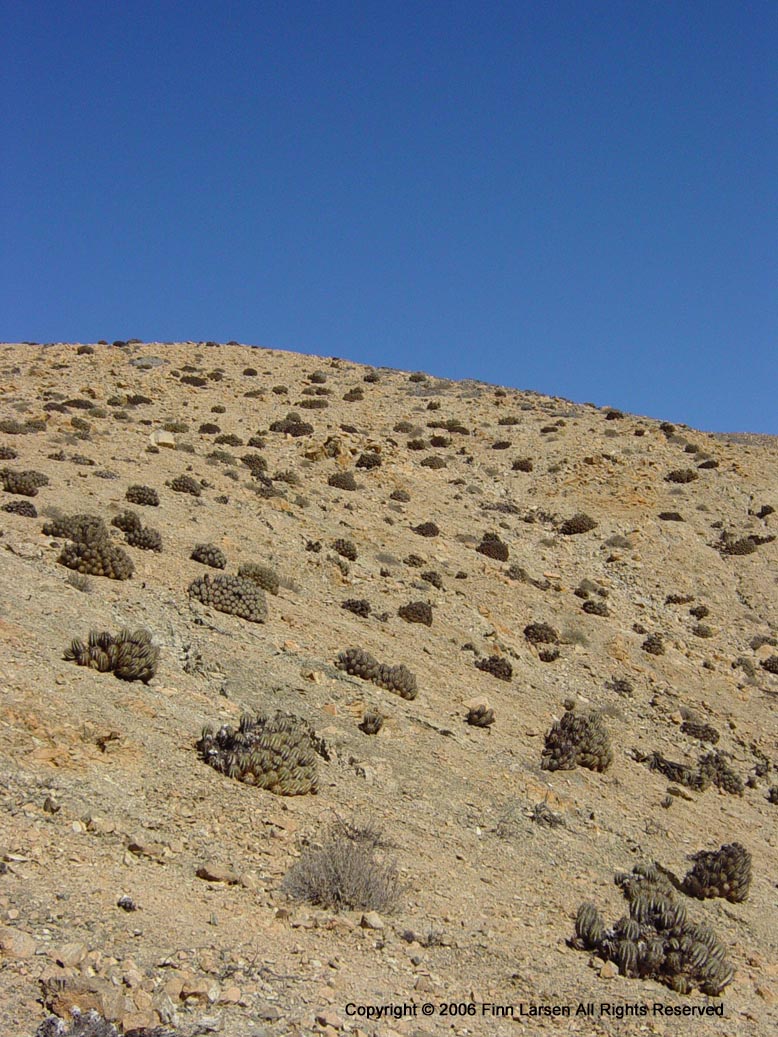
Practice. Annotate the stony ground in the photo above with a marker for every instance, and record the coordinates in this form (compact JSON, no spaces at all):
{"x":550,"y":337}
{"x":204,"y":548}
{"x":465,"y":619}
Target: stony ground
{"x":106,"y":801}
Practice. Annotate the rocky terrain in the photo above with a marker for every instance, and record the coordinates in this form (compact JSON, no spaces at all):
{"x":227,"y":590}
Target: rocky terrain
{"x":568,"y":624}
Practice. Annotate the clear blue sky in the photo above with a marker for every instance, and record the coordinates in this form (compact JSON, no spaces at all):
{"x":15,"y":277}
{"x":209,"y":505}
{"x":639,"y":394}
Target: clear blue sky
{"x":574,"y":197}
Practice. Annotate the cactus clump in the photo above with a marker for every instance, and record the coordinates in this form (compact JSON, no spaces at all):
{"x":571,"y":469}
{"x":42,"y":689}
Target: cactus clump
{"x":127,"y":521}
{"x":292,"y":427}
{"x":416,"y":612}
{"x":186,"y":484}
{"x":359,"y":663}
{"x":714,"y":766}
{"x":130,"y":655}
{"x":235,"y":595}
{"x":275,"y":753}
{"x":144,"y":495}
{"x":263,"y":575}
{"x":725,"y":872}
{"x":480,"y":716}
{"x":79,"y":528}
{"x":656,"y":940}
{"x":541,"y":633}
{"x":578,"y":739}
{"x":426,"y":529}
{"x":681,"y":475}
{"x":359,"y":606}
{"x":493,"y":547}
{"x":711,"y":769}
{"x":147,"y":538}
{"x":97,"y":558}
{"x":21,"y":507}
{"x":496,"y":666}
{"x":369,"y":459}
{"x":704,"y":732}
{"x":343,"y":481}
{"x":25,"y":484}
{"x":371,"y":723}
{"x":83,"y":1024}
{"x":579,"y":523}
{"x":209,"y":554}
{"x":346,"y":549}
{"x":654,"y":644}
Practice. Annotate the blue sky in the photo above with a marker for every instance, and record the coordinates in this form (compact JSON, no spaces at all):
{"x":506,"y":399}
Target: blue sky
{"x":574,"y":197}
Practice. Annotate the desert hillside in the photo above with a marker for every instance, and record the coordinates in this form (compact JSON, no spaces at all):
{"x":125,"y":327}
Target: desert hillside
{"x":494,"y":649}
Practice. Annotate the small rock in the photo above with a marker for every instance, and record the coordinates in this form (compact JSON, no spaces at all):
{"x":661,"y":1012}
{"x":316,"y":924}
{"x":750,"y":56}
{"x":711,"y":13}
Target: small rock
{"x":371,"y":920}
{"x":15,"y":943}
{"x":199,"y":989}
{"x":329,"y":1017}
{"x":69,"y":954}
{"x":156,"y":851}
{"x":250,"y":880}
{"x":159,"y":437}
{"x":268,"y":1013}
{"x":231,"y":995}
{"x":608,"y":971}
{"x":213,"y":872}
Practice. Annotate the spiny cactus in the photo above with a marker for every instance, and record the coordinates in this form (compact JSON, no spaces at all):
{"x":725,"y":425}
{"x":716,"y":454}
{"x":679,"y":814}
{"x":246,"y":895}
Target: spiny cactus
{"x":292,"y":426}
{"x":147,"y":538}
{"x":79,"y":528}
{"x":496,"y":666}
{"x":416,"y":612}
{"x":704,"y":732}
{"x":579,"y":523}
{"x":714,"y":766}
{"x":235,"y":595}
{"x":345,"y":548}
{"x":275,"y":753}
{"x":209,"y":554}
{"x":359,"y":663}
{"x":186,"y":484}
{"x":97,"y":558}
{"x":24,"y":508}
{"x":710,"y":769}
{"x":263,"y":575}
{"x":343,"y":481}
{"x":681,"y":475}
{"x":725,"y":872}
{"x":541,"y":633}
{"x":578,"y":739}
{"x":83,"y":1024}
{"x":127,"y":521}
{"x":654,"y":644}
{"x":369,"y":459}
{"x":656,"y":941}
{"x":480,"y":716}
{"x":130,"y":655}
{"x":493,"y":547}
{"x":371,"y":723}
{"x":426,"y":529}
{"x":144,"y":495}
{"x":25,"y":484}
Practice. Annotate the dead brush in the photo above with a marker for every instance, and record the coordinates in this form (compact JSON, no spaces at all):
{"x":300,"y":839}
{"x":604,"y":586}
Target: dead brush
{"x":347,"y":870}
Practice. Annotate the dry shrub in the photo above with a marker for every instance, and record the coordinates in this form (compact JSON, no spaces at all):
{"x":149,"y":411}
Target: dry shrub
{"x":345,"y":872}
